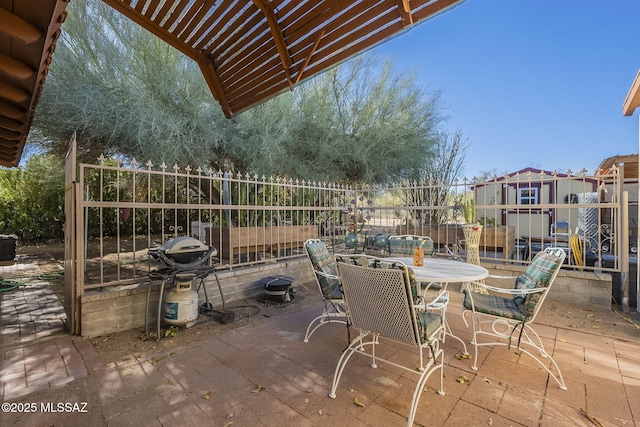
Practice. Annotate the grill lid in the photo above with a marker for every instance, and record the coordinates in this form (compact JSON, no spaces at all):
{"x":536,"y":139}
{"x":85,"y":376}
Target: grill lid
{"x":183,"y":252}
{"x":183,"y":245}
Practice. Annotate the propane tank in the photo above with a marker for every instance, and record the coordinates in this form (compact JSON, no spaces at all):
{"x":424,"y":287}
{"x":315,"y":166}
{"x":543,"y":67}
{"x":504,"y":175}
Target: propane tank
{"x":181,"y":305}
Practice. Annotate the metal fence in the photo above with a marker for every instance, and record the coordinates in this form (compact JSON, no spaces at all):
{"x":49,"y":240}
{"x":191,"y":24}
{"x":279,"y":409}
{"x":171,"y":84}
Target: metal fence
{"x":123,"y":210}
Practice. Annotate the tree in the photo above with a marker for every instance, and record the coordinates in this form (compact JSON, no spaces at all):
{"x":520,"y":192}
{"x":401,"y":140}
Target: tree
{"x":125,"y":91}
{"x":445,"y":168}
{"x":358,"y":122}
{"x":32,"y":199}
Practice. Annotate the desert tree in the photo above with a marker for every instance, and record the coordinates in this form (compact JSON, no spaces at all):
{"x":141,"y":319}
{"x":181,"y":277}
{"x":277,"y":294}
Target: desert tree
{"x":358,"y":122}
{"x":124,"y":91}
{"x":437,"y":177}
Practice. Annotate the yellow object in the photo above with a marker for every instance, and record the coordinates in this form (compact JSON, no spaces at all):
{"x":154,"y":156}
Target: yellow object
{"x":418,"y":256}
{"x":576,"y":248}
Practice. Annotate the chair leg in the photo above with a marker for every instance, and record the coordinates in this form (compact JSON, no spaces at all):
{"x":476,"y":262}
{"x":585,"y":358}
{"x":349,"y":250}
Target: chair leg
{"x":356,"y":345}
{"x":422,"y":381}
{"x":330,"y":314}
{"x":435,"y":363}
{"x":474,"y":340}
{"x":320,"y":320}
{"x":510,"y":340}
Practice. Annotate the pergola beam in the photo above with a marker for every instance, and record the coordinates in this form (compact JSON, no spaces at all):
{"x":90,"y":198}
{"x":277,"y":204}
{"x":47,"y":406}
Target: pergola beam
{"x":307,"y":59}
{"x":17,"y":28}
{"x":211,"y":77}
{"x":405,"y":12}
{"x":632,"y":101}
{"x":278,"y":37}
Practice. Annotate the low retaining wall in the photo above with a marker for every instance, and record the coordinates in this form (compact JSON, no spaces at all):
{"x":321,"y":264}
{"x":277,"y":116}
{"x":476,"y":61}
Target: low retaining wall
{"x":572,"y":286}
{"x":112,"y":311}
{"x":117,"y":310}
{"x":241,"y":240}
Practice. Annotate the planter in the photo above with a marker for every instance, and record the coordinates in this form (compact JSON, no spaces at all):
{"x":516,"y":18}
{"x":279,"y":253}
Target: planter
{"x":472,"y":233}
{"x":239,"y":240}
{"x":493,"y":238}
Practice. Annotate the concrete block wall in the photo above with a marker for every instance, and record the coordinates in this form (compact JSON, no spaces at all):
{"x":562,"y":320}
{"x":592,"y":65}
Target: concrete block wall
{"x":117,"y":310}
{"x":109,"y":311}
{"x":573,"y":286}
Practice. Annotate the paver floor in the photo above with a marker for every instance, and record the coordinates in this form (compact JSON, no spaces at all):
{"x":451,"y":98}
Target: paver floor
{"x":262,"y":374}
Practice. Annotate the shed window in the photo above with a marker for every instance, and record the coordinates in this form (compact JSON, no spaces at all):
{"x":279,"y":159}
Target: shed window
{"x":528,"y":196}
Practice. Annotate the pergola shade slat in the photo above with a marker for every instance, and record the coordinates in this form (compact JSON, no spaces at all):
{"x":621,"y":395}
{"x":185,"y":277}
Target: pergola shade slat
{"x":248,"y":50}
{"x":257,"y":47}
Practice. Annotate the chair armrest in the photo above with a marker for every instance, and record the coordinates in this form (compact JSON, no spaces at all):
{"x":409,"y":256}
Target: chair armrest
{"x":492,"y":276}
{"x":327,"y":275}
{"x":440,"y":301}
{"x":509,"y":291}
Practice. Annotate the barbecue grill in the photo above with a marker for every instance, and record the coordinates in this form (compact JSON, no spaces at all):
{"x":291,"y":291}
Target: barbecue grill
{"x":184,"y":260}
{"x":183,"y":253}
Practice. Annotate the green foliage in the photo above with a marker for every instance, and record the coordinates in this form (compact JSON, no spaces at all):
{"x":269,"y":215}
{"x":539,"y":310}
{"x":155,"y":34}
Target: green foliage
{"x":469,"y":211}
{"x":125,"y":91}
{"x":488,"y":221}
{"x":32,"y":199}
{"x":358,"y":122}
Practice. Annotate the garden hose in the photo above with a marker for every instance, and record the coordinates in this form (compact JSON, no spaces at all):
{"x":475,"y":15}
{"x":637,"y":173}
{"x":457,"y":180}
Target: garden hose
{"x":50,"y":277}
{"x":576,"y":248}
{"x":9,"y":285}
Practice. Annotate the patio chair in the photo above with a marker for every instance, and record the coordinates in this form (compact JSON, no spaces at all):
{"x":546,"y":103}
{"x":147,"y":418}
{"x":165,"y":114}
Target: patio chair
{"x":379,"y":303}
{"x":404,"y":245}
{"x":506,"y":316}
{"x":328,"y":282}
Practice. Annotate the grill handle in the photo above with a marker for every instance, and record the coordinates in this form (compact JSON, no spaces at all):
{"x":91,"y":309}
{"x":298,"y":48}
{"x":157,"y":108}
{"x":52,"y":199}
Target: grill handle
{"x":193,"y":264}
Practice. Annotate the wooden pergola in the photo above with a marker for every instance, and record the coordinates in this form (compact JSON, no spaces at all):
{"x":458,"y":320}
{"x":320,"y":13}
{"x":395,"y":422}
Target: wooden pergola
{"x":29,"y":30}
{"x":248,"y":51}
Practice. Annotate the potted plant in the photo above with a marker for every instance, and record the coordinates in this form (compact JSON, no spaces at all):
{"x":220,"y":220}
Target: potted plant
{"x":472,"y":231}
{"x":469,"y":211}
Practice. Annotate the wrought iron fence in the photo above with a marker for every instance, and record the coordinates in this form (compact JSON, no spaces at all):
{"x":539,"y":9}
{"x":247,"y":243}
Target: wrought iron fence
{"x":123,"y":210}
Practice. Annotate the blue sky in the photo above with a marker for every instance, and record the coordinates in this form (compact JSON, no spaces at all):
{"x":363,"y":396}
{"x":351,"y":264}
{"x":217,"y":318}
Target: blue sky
{"x":530,"y":83}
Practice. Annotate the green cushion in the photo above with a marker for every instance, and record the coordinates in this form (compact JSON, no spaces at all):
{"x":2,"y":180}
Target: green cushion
{"x":399,"y":247}
{"x":324,"y":262}
{"x":521,"y":307}
{"x":428,"y":323}
{"x":404,"y":247}
{"x":537,"y":275}
{"x":494,"y":305}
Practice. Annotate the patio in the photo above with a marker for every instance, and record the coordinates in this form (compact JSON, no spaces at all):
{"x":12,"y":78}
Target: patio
{"x":260,"y":372}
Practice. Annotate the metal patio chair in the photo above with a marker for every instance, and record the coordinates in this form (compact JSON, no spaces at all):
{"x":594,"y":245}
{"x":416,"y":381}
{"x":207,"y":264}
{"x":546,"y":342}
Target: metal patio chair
{"x":506,"y":316}
{"x":379,"y":302}
{"x":328,"y":282}
{"x":404,"y":245}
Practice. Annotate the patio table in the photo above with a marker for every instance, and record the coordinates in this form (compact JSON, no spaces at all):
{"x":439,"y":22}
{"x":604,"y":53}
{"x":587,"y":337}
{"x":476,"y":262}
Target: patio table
{"x":445,"y":271}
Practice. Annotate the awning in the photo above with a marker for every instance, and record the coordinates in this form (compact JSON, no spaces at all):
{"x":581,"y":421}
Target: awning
{"x":29,"y":30}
